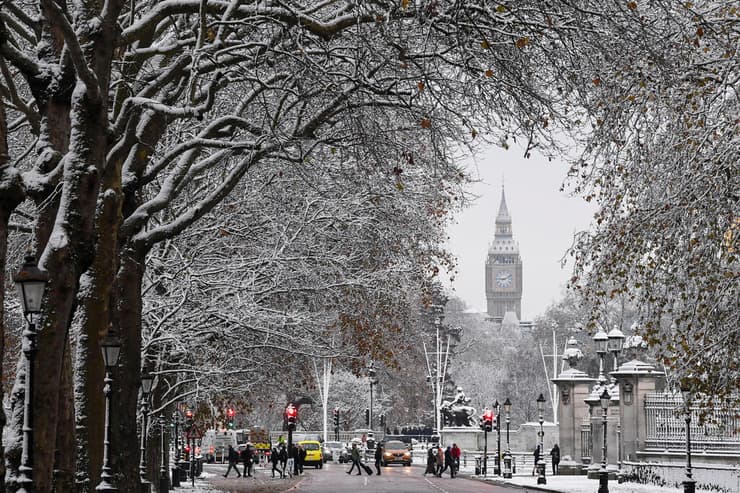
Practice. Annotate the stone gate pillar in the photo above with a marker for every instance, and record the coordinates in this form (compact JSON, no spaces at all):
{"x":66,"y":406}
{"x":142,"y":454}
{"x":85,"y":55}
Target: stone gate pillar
{"x":635,"y":379}
{"x":573,"y":388}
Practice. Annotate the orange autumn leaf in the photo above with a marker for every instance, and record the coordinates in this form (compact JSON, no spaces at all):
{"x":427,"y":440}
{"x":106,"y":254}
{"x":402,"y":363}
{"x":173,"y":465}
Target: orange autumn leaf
{"x":489,"y":73}
{"x":426,"y":123}
{"x":522,"y":42}
{"x":484,"y":44}
{"x":420,"y":85}
{"x":596,"y":81}
{"x":632,"y":5}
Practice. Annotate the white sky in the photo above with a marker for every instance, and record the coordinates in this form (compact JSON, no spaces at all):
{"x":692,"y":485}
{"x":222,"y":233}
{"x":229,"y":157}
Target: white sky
{"x":543,"y":221}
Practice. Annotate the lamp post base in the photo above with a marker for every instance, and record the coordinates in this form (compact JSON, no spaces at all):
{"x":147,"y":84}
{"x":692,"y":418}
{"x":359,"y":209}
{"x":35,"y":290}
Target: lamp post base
{"x":146,"y":486}
{"x":689,"y":486}
{"x":603,"y":482}
{"x":507,"y":466}
{"x":541,"y":472}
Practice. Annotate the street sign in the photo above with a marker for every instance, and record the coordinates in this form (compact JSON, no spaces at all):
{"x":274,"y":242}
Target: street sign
{"x":194,"y":433}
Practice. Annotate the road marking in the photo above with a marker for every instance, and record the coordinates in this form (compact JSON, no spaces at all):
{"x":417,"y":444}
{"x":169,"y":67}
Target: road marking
{"x":437,"y":487}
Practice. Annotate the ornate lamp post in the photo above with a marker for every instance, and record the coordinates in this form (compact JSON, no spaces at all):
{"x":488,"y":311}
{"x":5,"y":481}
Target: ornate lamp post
{"x":30,"y":283}
{"x":689,"y":484}
{"x":604,"y":399}
{"x":111,"y":348}
{"x":541,"y":464}
{"x":601,"y":340}
{"x":146,"y":387}
{"x":507,"y":454}
{"x":373,"y":381}
{"x":163,"y":480}
{"x":497,"y":408}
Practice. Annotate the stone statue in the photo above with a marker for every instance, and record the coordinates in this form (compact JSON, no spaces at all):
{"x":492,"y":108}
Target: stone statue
{"x":457,"y":412}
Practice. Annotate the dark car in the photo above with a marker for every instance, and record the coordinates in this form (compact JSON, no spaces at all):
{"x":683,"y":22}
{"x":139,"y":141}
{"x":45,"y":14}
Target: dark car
{"x":396,"y":452}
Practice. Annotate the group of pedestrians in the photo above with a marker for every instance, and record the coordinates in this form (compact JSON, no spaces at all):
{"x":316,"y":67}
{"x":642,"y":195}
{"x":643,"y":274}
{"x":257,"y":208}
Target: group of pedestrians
{"x":554,"y":454}
{"x":247,"y":457}
{"x":439,"y":461}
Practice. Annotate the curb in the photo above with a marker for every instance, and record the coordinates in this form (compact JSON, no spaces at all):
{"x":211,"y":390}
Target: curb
{"x":501,"y":482}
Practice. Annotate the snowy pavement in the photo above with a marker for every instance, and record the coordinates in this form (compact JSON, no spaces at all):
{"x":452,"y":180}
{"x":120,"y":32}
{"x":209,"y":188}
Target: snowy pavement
{"x":581,"y":484}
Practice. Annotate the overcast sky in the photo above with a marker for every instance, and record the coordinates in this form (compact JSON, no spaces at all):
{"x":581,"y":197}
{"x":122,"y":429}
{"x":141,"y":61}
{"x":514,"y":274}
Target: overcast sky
{"x":543,"y":222}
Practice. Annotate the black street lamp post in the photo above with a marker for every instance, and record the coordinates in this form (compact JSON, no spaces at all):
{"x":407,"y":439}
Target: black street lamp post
{"x":497,"y":407}
{"x":163,"y":480}
{"x":146,"y":387}
{"x":111,"y":348}
{"x":689,"y":484}
{"x":604,"y":399}
{"x":30,"y":283}
{"x":507,"y":454}
{"x":541,"y":463}
{"x":373,"y":379}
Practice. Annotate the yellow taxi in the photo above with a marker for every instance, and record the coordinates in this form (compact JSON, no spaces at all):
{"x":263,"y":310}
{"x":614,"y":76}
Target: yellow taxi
{"x":313,"y":453}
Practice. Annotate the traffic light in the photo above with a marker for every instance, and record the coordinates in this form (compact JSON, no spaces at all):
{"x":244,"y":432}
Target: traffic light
{"x":367,"y":417}
{"x":230,"y":413}
{"x":336,"y":417}
{"x":487,"y":420}
{"x":291,"y":413}
{"x":189,"y":420}
{"x":382,"y":421}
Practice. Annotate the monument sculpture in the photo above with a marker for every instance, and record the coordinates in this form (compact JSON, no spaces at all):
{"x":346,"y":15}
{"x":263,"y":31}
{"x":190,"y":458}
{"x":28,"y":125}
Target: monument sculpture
{"x":457,"y":412}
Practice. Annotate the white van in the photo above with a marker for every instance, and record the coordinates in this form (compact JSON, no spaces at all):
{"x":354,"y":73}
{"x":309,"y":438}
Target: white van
{"x":215,"y":445}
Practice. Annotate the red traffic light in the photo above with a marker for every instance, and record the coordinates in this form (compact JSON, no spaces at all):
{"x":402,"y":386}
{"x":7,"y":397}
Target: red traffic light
{"x":189,"y":414}
{"x":230,"y":412}
{"x":291,"y":411}
{"x":488,"y":415}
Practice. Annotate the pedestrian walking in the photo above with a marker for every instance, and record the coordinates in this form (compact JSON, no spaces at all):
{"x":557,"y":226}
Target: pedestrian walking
{"x":283,"y":454}
{"x":275,"y":459}
{"x":431,"y":460}
{"x":233,"y":462}
{"x":555,"y":453}
{"x":536,"y":459}
{"x":355,"y":454}
{"x":247,"y":460}
{"x":378,"y":457}
{"x":456,"y":453}
{"x":448,"y":463}
{"x":301,"y":458}
{"x":440,"y":462}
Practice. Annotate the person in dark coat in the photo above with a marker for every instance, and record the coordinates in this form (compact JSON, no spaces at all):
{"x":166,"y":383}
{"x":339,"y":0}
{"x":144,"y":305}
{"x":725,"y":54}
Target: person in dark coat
{"x":355,"y":460}
{"x":536,"y":459}
{"x":301,"y":458}
{"x":275,"y":459}
{"x":247,"y":460}
{"x":378,"y":457}
{"x":555,"y":453}
{"x":233,"y":462}
{"x":449,"y":462}
{"x":431,"y":461}
{"x":283,"y":459}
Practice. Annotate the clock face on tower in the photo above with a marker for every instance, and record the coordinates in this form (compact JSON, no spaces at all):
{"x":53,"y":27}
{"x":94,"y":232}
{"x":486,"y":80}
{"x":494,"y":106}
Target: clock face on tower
{"x":504,"y":279}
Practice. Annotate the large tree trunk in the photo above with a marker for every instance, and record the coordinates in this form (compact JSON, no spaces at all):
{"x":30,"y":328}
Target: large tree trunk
{"x":11,"y":194}
{"x":64,"y":458}
{"x":127,"y":317}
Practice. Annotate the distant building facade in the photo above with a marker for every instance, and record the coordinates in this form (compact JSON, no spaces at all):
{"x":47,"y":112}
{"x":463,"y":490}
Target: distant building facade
{"x":503,"y":269}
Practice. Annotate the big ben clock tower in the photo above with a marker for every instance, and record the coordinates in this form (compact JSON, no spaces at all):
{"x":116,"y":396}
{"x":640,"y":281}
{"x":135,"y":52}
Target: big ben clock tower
{"x":503,"y":269}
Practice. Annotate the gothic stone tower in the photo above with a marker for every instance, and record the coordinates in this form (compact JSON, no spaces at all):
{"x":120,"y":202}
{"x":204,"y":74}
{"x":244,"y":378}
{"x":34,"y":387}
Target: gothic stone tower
{"x":503,"y":269}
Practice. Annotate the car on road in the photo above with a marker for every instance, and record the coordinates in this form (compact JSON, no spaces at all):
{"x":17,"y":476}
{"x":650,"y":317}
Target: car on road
{"x":313,"y":453}
{"x":396,"y":452}
{"x":332,"y":450}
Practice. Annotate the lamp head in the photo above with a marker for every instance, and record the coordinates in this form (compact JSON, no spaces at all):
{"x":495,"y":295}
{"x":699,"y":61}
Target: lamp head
{"x":604,"y":399}
{"x":602,"y":341}
{"x":541,"y":403}
{"x":147,"y":379}
{"x":507,"y":406}
{"x":111,"y":348}
{"x":616,"y":340}
{"x":30,"y":282}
